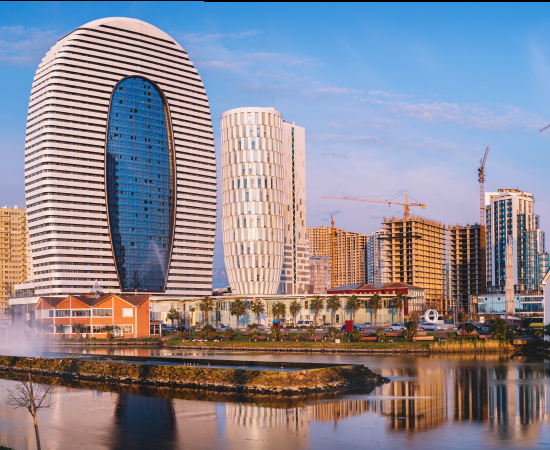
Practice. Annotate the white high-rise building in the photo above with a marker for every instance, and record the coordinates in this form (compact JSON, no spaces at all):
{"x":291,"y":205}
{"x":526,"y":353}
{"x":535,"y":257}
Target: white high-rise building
{"x":511,"y":214}
{"x":120,"y":165}
{"x":252,"y":199}
{"x":295,"y":276}
{"x":376,"y":259}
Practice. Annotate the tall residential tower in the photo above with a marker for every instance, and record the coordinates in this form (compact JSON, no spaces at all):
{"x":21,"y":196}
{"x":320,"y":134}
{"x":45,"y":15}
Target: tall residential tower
{"x":252,"y":199}
{"x":120,"y":165}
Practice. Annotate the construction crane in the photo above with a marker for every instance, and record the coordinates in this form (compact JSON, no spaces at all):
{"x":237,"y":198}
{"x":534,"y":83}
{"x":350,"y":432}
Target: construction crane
{"x":405,"y":205}
{"x":481,"y":179}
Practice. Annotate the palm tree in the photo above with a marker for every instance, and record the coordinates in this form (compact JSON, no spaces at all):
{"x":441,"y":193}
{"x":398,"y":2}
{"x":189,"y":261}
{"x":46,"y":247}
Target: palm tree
{"x":206,"y":305}
{"x":79,"y":328}
{"x":352,"y":305}
{"x":109,"y":330}
{"x":375,"y":303}
{"x":9,"y":312}
{"x":333,"y":303}
{"x":60,"y":329}
{"x":317,"y":303}
{"x":258,"y":308}
{"x":278,"y":309}
{"x":237,"y":308}
{"x":399,"y":302}
{"x":294,"y":309}
{"x":173,"y":315}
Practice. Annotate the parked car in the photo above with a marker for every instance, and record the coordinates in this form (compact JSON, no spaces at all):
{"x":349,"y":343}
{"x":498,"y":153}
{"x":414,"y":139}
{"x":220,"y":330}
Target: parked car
{"x":167,"y":328}
{"x":223,"y":328}
{"x":426,"y":326}
{"x":396,"y":327}
{"x":478,"y":328}
{"x":182,"y":328}
{"x":355,"y":327}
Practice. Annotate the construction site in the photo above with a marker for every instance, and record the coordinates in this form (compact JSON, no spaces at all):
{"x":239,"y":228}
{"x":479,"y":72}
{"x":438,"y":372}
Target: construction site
{"x":448,"y":262}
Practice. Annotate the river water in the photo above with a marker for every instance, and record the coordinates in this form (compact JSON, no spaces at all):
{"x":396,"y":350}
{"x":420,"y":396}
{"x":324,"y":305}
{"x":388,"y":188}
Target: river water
{"x":432,"y":402}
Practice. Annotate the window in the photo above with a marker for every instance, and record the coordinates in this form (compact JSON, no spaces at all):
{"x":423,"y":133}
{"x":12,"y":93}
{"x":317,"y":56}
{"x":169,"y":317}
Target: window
{"x":127,"y":312}
{"x":103,"y":312}
{"x":81,"y":313}
{"x":126,"y":329}
{"x":62,"y":313}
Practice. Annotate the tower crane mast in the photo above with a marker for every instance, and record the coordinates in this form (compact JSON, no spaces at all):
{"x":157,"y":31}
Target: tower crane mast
{"x":481,"y":179}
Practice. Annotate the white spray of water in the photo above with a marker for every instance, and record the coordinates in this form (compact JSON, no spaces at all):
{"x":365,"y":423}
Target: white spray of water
{"x":17,"y":339}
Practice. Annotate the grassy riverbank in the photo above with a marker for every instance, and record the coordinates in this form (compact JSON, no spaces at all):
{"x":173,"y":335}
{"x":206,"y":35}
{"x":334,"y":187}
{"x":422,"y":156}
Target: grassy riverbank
{"x":302,"y":346}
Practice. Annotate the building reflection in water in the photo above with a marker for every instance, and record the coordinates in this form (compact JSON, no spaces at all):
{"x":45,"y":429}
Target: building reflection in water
{"x":139,"y":422}
{"x":506,"y":397}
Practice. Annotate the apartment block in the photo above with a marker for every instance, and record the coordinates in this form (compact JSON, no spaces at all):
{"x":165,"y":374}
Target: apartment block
{"x":416,"y":254}
{"x":349,"y":253}
{"x":376,"y":260}
{"x":320,"y":271}
{"x":466,"y":263}
{"x":511,"y":214}
{"x":295,"y":275}
{"x":14,"y":264}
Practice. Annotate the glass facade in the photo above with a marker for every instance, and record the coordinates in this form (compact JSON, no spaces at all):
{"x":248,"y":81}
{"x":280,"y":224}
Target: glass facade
{"x":496,"y":304}
{"x":138,"y":185}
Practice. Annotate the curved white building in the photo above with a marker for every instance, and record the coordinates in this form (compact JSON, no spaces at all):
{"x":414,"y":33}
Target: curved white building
{"x":120,"y":165}
{"x":252,"y":199}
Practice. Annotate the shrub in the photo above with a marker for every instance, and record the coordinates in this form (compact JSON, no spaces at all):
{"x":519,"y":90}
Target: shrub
{"x":212,"y":335}
{"x":273,"y":336}
{"x":253,"y":326}
{"x":355,"y":336}
{"x":254,"y":336}
{"x":295,"y":336}
{"x":229,"y":334}
{"x":410,"y":330}
{"x":380,"y":334}
{"x":470,"y":328}
{"x":499,"y":329}
{"x":311,"y":330}
{"x":450,"y":335}
{"x":208,"y":329}
{"x":185,"y":335}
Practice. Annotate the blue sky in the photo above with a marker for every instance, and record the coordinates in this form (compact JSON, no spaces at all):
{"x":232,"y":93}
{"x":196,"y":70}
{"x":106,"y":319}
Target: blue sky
{"x":395,"y":98}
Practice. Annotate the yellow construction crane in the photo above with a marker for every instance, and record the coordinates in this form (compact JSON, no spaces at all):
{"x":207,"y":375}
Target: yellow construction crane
{"x":405,"y":205}
{"x":481,"y":179}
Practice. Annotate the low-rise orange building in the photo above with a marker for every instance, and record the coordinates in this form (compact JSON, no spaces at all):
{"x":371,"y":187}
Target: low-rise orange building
{"x":128,"y":313}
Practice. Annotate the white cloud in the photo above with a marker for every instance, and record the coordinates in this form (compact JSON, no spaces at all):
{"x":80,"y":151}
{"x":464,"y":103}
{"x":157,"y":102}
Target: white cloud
{"x":498,"y":118}
{"x":202,"y":37}
{"x":21,"y":46}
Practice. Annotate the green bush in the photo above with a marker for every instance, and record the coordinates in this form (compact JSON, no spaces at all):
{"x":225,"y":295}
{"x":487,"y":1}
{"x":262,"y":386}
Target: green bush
{"x":229,"y":334}
{"x":311,"y":330}
{"x":355,"y":336}
{"x":254,"y":336}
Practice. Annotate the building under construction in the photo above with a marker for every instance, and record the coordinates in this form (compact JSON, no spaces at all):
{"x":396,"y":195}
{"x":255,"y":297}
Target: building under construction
{"x":349,"y":253}
{"x":467,"y":264}
{"x":417,"y":255}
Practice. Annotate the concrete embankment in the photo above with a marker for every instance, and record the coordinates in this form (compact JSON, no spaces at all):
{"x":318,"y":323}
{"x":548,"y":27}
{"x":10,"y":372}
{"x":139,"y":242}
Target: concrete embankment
{"x":314,"y":378}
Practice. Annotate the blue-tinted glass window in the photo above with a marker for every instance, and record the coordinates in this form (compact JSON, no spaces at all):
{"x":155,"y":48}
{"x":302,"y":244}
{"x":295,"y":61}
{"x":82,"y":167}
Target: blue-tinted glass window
{"x":138,"y":185}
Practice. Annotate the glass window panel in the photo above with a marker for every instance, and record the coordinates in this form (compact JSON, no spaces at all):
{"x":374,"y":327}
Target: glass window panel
{"x":139,"y":233}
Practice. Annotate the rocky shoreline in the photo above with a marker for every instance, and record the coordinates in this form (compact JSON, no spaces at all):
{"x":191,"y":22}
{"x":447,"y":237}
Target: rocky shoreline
{"x":321,"y":378}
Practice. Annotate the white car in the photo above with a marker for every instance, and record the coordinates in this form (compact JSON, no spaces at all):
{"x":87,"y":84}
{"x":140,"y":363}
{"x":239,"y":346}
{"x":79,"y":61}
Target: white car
{"x":431,"y":327}
{"x":396,"y":327}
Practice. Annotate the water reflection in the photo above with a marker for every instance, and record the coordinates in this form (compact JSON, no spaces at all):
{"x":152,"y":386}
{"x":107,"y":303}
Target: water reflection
{"x":490,"y":401}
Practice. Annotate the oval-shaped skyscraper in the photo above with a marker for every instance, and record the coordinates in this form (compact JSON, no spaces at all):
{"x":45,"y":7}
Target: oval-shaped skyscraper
{"x":120,"y":165}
